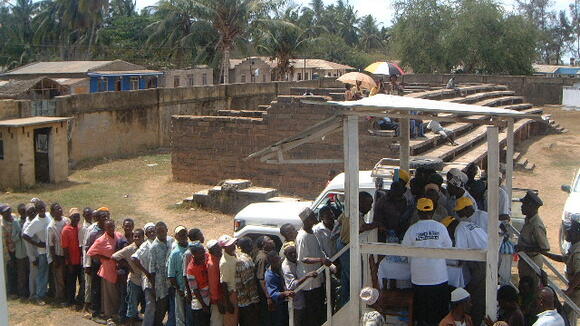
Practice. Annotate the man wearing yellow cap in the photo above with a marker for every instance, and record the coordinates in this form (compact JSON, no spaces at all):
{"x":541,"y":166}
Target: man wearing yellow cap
{"x":466,"y":209}
{"x":428,"y":275}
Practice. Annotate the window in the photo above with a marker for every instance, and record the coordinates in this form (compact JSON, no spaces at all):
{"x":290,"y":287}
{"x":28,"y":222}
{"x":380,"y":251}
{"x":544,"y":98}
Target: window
{"x":103,"y":84}
{"x":1,"y":149}
{"x":176,"y":81}
{"x":204,"y":79}
{"x":134,"y":82}
{"x":243,"y":78}
{"x":190,"y":80}
{"x":299,"y":76}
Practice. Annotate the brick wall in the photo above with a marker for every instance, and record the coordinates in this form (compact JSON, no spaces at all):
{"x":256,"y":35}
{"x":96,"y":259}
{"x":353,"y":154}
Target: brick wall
{"x":209,"y":149}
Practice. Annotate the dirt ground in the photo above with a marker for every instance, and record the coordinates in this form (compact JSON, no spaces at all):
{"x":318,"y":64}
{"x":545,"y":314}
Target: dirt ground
{"x":141,"y":188}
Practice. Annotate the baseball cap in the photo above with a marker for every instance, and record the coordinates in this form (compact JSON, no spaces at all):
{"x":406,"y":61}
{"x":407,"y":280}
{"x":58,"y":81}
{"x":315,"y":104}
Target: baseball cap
{"x":461,"y":203}
{"x":180,"y":228}
{"x":447,"y":220}
{"x":226,"y":241}
{"x":425,"y":205}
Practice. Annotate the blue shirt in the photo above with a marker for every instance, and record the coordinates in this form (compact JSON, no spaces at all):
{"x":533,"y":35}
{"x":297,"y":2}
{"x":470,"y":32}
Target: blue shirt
{"x":275,"y":286}
{"x":175,"y":266}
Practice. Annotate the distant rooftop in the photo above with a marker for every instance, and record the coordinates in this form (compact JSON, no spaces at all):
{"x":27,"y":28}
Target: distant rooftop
{"x":555,"y":69}
{"x":297,"y":63}
{"x":63,"y":67}
{"x":14,"y":123}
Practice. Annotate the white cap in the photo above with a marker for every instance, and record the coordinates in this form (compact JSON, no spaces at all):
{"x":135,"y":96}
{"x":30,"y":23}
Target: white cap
{"x":211,"y":243}
{"x":148,"y":225}
{"x":369,"y":295}
{"x":459,"y":295}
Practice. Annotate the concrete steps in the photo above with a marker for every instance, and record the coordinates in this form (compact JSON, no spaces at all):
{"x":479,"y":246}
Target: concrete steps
{"x":241,"y":113}
{"x":448,"y":153}
{"x":478,"y":97}
{"x":501,"y":101}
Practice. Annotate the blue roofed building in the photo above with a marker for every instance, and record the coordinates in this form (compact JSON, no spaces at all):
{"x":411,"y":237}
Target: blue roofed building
{"x":556,"y":70}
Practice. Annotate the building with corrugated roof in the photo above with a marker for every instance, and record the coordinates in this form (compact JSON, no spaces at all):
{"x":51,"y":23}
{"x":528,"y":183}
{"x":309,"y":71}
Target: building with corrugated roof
{"x":102,"y":76}
{"x":556,"y":70}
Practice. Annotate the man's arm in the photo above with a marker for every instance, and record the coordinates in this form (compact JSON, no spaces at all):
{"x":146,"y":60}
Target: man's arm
{"x":555,"y":257}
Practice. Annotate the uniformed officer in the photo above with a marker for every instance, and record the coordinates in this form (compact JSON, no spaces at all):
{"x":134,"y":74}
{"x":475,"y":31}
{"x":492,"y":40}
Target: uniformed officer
{"x":572,"y":260}
{"x":533,"y":239}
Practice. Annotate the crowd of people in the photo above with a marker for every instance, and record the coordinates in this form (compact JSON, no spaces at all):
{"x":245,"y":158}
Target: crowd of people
{"x":144,"y":275}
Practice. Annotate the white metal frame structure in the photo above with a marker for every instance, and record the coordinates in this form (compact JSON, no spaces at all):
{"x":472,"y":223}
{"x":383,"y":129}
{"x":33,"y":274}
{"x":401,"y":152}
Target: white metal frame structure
{"x":404,"y":108}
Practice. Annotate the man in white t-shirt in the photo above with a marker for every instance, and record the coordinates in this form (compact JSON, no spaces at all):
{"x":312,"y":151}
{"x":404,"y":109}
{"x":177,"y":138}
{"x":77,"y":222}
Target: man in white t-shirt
{"x":428,"y":275}
{"x":549,"y":316}
{"x":467,"y":235}
{"x":310,"y":258}
{"x":35,"y":233}
{"x":466,"y":209}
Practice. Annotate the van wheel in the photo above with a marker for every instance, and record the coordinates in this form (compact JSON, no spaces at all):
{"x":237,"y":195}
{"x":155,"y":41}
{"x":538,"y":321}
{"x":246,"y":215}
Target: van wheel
{"x":433,"y":163}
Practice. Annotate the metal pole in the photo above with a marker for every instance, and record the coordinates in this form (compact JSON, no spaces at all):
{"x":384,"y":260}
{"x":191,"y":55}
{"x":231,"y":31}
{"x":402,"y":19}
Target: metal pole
{"x":351,"y":159}
{"x":493,"y":222}
{"x":404,"y":150}
{"x":3,"y":289}
{"x":328,"y":297}
{"x":509,"y":158}
{"x":290,"y":312}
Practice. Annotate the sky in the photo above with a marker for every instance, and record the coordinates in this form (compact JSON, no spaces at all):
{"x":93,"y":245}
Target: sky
{"x":382,"y":9}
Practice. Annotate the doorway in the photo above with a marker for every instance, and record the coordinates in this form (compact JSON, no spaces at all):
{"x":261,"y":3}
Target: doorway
{"x":41,"y":155}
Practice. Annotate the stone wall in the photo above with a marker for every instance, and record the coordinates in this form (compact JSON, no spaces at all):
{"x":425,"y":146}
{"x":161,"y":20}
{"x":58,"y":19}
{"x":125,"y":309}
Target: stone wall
{"x":537,"y":90}
{"x":209,"y":149}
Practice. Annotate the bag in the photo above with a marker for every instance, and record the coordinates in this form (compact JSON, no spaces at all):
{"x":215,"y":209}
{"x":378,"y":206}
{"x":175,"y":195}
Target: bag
{"x":507,"y":247}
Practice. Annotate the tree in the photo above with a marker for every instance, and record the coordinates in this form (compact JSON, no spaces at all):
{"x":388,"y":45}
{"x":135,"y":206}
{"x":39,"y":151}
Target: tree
{"x":418,"y":34}
{"x":282,"y":41}
{"x":370,"y":37}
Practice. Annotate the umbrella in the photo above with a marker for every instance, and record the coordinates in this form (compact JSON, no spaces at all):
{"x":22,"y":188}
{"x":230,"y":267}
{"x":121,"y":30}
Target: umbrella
{"x":352,"y":77}
{"x":384,"y":68}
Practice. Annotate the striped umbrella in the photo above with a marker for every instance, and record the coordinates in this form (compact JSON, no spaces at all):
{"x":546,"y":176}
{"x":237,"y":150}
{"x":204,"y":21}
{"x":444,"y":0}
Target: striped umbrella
{"x":384,"y":68}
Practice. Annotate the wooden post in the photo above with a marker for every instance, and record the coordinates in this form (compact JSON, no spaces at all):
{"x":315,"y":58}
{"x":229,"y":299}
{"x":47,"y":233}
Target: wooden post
{"x":404,"y":150}
{"x":3,"y":289}
{"x":493,"y":222}
{"x":351,"y":168}
{"x":509,"y":158}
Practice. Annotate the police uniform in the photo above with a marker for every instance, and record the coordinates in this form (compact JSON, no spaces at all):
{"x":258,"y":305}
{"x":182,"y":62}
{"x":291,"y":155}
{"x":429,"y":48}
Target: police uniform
{"x":533,"y":235}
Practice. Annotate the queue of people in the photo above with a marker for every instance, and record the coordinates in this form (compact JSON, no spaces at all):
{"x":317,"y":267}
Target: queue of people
{"x":152,"y":276}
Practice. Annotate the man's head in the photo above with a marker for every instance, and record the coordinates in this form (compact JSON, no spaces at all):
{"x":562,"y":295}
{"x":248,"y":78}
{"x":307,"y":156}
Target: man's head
{"x":507,"y":297}
{"x":181,"y":236}
{"x":150,"y":231}
{"x":274,"y":260}
{"x":214,"y":248}
{"x":347,"y":86}
{"x":110,"y":228}
{"x":74,"y":215}
{"x":100,"y":216}
{"x":464,"y":207}
{"x":40,"y":208}
{"x":88,"y":214}
{"x":246,"y":245}
{"x":265,"y":243}
{"x":365,"y":202}
{"x":451,"y":224}
{"x":327,"y":216}
{"x":128,"y":225}
{"x":545,"y":299}
{"x":460,"y":301}
{"x":471,"y":171}
{"x":195,"y":235}
{"x":290,"y":251}
{"x":393,"y":78}
{"x":198,"y":252}
{"x":30,"y":211}
{"x":138,"y":237}
{"x":228,"y":244}
{"x":288,"y":231}
{"x":308,"y":219}
{"x":161,"y":229}
{"x":105,"y":212}
{"x":56,"y":211}
{"x":531,"y":202}
{"x":21,"y":209}
{"x":425,"y":208}
{"x":6,"y":212}
{"x":432,"y":192}
{"x":397,"y":190}
{"x":573,"y":232}
{"x":455,"y":186}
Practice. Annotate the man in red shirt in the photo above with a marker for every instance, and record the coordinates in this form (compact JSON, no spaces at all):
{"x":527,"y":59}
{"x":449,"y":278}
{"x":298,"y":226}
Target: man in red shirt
{"x":213,"y":271}
{"x":72,"y":255}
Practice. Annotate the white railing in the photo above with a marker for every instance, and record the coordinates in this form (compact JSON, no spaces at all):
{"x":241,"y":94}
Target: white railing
{"x":538,"y":270}
{"x":328,"y":286}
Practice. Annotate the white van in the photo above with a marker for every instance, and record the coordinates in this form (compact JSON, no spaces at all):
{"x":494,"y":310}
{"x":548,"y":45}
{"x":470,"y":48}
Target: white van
{"x":266,"y":218}
{"x":571,"y":209}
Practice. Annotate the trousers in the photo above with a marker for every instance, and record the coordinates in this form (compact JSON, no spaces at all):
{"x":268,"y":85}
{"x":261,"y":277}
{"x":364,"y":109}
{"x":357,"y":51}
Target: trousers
{"x":134,"y":296}
{"x":149,"y":315}
{"x":42,"y":277}
{"x":314,"y":307}
{"x":109,"y":298}
{"x":73,"y":274}
{"x":22,"y":271}
{"x":33,"y":274}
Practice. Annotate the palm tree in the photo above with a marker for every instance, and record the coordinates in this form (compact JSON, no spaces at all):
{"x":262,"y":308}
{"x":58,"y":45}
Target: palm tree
{"x":369,"y":35}
{"x":282,"y":41}
{"x":231,"y":20}
{"x":17,"y":29}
